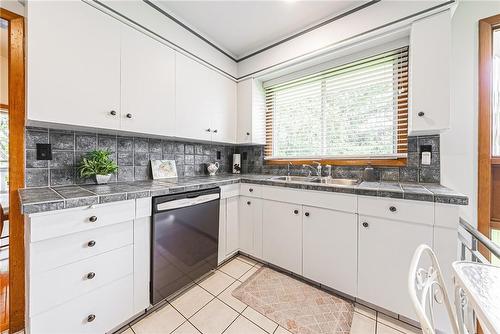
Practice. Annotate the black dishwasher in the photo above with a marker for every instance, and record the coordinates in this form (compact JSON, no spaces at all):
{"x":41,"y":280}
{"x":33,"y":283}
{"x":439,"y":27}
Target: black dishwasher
{"x":184,"y":240}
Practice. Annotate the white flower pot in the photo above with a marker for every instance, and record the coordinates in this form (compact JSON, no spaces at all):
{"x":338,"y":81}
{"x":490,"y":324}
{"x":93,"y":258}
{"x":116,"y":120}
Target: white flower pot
{"x":102,"y":179}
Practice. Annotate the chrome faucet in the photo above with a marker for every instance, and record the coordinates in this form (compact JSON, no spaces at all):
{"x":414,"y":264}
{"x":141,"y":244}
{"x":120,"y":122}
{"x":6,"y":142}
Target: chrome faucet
{"x":329,"y":170}
{"x":317,"y":170}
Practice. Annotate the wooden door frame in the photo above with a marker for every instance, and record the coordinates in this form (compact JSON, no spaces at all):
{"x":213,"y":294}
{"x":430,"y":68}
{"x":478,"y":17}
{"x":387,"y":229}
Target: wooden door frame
{"x":17,"y":104}
{"x":485,"y":85}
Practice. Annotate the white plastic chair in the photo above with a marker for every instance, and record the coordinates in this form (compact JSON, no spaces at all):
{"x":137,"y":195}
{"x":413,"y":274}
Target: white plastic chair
{"x":426,"y":287}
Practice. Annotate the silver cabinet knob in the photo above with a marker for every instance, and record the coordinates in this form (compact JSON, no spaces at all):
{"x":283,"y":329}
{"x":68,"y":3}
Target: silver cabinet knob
{"x":90,"y":275}
{"x":93,"y":219}
{"x":129,"y":115}
{"x":421,"y":114}
{"x":248,"y":203}
{"x":91,"y":243}
{"x":307,"y":214}
{"x":248,"y":133}
{"x":91,"y":317}
{"x":393,"y":209}
{"x":208,"y":130}
{"x":296,"y":211}
{"x":112,"y":112}
{"x":365,"y":224}
{"x":215,"y":131}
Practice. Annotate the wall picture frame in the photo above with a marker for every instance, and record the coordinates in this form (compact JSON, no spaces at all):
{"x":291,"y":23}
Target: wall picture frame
{"x":163,"y":169}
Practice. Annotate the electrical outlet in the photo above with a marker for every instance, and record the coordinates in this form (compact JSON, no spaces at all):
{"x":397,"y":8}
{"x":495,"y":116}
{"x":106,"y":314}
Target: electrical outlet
{"x":43,"y":152}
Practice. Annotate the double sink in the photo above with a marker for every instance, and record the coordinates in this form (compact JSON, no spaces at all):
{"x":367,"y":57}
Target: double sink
{"x":317,"y":180}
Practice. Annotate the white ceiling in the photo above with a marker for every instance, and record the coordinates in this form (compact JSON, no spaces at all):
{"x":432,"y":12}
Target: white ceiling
{"x":243,"y":27}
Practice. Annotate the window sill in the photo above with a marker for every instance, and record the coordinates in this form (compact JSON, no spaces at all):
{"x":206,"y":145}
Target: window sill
{"x":400,"y":162}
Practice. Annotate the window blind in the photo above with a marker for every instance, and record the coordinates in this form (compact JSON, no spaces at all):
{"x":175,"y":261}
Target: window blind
{"x":355,"y":111}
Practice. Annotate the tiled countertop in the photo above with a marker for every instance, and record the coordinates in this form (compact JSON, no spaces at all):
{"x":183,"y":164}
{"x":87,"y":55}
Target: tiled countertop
{"x":35,"y":200}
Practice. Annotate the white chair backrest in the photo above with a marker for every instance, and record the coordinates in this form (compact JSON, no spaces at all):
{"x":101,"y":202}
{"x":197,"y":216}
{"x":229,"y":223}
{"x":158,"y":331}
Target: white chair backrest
{"x":426,"y":287}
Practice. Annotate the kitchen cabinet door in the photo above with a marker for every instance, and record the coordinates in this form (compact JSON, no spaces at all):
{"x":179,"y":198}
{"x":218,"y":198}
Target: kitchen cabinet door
{"x":251,"y":112}
{"x":232,"y":225}
{"x":147,"y":84}
{"x":73,"y":65}
{"x":430,"y":48}
{"x":194,"y":99}
{"x":250,"y":226}
{"x":223,"y":120}
{"x":330,"y":248}
{"x":282,"y":235}
{"x":385,"y":249}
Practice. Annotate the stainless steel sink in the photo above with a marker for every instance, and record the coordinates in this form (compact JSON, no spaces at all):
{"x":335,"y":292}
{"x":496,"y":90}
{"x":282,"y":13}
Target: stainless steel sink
{"x":296,"y":178}
{"x":317,"y":180}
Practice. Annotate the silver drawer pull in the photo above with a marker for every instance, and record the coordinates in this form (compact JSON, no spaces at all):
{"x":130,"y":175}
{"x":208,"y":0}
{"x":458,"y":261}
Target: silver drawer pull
{"x":93,"y":219}
{"x":90,"y":275}
{"x":365,"y":224}
{"x":91,"y":318}
{"x":393,"y":209}
{"x":91,"y":243}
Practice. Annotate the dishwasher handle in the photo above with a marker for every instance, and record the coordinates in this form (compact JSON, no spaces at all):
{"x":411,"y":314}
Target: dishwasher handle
{"x":187,"y":201}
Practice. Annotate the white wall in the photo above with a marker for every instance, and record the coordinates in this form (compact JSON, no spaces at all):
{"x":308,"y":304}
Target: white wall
{"x":459,"y":144}
{"x":371,"y":19}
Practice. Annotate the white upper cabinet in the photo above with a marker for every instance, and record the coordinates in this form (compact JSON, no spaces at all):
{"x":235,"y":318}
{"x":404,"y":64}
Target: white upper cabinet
{"x":205,"y":102}
{"x":147,"y":84}
{"x":73,"y":65}
{"x":251,"y":113}
{"x":430,"y":48}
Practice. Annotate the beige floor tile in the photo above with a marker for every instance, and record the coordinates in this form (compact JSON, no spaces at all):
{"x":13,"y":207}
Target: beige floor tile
{"x":262,"y":321}
{"x":362,"y":324}
{"x":281,"y":330}
{"x":186,"y":328}
{"x":396,"y":324}
{"x":384,"y":329}
{"x":247,"y":260}
{"x":366,"y":311}
{"x":216,"y":283}
{"x":127,"y":331}
{"x":227,"y":297}
{"x":214,"y":318}
{"x":191,"y":301}
{"x":163,"y":321}
{"x":235,"y":268}
{"x":248,"y":274}
{"x":244,"y":326}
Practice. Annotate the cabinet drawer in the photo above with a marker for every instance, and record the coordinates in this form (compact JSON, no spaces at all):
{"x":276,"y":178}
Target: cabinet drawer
{"x":51,"y":225}
{"x":397,"y":209}
{"x":62,"y":284}
{"x":250,"y":190}
{"x":230,"y":190}
{"x":320,"y":199}
{"x":56,"y":252}
{"x":111,"y":305}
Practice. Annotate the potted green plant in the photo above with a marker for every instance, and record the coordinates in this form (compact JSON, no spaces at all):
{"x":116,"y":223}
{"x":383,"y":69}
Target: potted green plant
{"x":97,"y":164}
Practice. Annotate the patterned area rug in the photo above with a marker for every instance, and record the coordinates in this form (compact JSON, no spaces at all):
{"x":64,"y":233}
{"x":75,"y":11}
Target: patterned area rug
{"x":295,"y":305}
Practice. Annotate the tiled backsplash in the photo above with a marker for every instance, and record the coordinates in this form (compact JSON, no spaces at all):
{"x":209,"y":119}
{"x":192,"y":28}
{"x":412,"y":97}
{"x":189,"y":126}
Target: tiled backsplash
{"x":252,"y":161}
{"x":132,"y":155}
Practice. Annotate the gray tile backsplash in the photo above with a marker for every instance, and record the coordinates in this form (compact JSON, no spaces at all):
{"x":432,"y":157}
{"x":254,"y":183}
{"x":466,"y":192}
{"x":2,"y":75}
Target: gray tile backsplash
{"x":252,"y":161}
{"x":132,"y":155}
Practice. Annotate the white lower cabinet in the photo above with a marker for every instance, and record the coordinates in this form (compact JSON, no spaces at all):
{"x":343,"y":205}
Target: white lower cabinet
{"x":96,"y":312}
{"x":330,"y":248}
{"x":282,"y":235}
{"x":232,"y":226}
{"x":385,"y":249}
{"x":90,"y":279}
{"x":250,"y":226}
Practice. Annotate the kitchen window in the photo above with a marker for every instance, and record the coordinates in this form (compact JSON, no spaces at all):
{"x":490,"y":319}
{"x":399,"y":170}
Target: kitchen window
{"x":357,"y":111}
